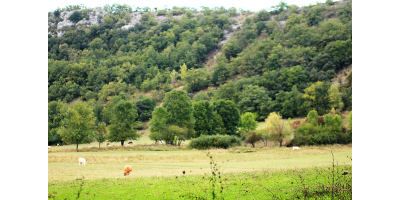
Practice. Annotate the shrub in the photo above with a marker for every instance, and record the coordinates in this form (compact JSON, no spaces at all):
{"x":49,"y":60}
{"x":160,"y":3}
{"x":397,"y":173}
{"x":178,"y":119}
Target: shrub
{"x":177,"y":12}
{"x":161,"y":12}
{"x":214,"y":141}
{"x":57,"y":13}
{"x":253,"y":138}
{"x":75,"y":17}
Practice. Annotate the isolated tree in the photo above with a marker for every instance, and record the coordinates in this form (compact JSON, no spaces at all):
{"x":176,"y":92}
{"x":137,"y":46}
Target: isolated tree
{"x":77,"y":125}
{"x":123,"y":122}
{"x":248,"y":122}
{"x":100,"y":133}
{"x":277,"y":128}
{"x":253,"y":138}
{"x":229,"y":114}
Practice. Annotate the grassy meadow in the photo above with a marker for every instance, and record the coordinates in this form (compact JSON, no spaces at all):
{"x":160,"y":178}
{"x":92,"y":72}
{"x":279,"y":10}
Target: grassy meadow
{"x":270,"y":172}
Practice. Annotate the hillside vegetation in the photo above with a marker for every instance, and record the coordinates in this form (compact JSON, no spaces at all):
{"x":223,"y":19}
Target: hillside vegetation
{"x":281,"y":60}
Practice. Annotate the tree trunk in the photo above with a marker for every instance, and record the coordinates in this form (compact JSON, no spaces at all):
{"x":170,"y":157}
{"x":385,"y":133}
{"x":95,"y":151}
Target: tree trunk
{"x":122,"y":142}
{"x":76,"y":147}
{"x":280,"y":143}
{"x":99,"y":145}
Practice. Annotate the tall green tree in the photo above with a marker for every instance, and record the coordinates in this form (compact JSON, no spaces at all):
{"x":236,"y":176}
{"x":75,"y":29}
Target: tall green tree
{"x":123,"y":122}
{"x":229,"y":114}
{"x":204,"y":116}
{"x":77,"y":126}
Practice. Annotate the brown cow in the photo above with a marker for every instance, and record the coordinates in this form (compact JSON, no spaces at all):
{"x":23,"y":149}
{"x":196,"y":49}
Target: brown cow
{"x":127,"y":170}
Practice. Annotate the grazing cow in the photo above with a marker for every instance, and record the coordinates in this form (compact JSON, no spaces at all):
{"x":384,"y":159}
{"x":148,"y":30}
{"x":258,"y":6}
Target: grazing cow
{"x":83,"y":161}
{"x":127,"y":170}
{"x":130,"y":142}
{"x":107,"y":144}
{"x":49,"y":147}
{"x":294,"y":147}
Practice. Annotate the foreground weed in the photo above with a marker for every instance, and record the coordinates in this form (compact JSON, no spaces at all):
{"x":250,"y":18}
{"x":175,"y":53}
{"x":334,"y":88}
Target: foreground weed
{"x":338,"y":184}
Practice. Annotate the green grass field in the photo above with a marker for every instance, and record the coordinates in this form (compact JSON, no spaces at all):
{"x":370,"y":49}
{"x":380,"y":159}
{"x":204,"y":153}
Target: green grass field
{"x":247,"y":173}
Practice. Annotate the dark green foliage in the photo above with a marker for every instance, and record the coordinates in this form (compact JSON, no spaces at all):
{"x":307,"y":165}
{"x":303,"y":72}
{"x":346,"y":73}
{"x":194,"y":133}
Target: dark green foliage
{"x":145,"y":106}
{"x":56,"y":113}
{"x":123,"y":122}
{"x":229,"y":114}
{"x":106,"y":61}
{"x":203,"y":113}
{"x":75,"y":17}
{"x":57,"y":13}
{"x":215,"y":141}
{"x":255,"y":99}
{"x":313,"y":133}
{"x":196,"y":79}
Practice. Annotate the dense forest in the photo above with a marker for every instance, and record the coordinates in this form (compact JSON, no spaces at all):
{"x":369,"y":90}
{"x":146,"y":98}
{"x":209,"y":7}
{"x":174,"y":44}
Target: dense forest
{"x":219,"y":63}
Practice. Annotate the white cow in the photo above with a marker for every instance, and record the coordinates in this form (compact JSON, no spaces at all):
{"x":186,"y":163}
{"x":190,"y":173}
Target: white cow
{"x":83,"y":161}
{"x":294,"y":147}
{"x":49,"y":147}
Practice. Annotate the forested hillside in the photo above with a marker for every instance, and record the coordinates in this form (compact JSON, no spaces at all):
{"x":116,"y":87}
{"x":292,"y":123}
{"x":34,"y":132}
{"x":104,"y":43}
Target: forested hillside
{"x":277,"y":60}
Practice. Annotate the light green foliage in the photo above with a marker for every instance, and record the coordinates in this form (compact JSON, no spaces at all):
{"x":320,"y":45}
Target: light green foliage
{"x":349,"y":121}
{"x":123,"y":122}
{"x":100,"y":133}
{"x":334,"y":97}
{"x":96,"y":44}
{"x":77,"y":125}
{"x":174,"y":75}
{"x":196,"y":79}
{"x":312,"y":117}
{"x":201,"y":96}
{"x":333,"y":123}
{"x":248,"y":122}
{"x":277,"y":128}
{"x":317,"y":97}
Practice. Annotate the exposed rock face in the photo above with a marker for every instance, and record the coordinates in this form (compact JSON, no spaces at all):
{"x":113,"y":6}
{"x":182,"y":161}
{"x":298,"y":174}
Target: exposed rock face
{"x":94,"y":17}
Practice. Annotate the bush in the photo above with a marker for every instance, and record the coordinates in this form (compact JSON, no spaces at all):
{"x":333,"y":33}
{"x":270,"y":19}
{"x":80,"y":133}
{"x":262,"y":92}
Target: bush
{"x":177,"y":12}
{"x":75,"y":17}
{"x":215,"y":141}
{"x":161,"y":12}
